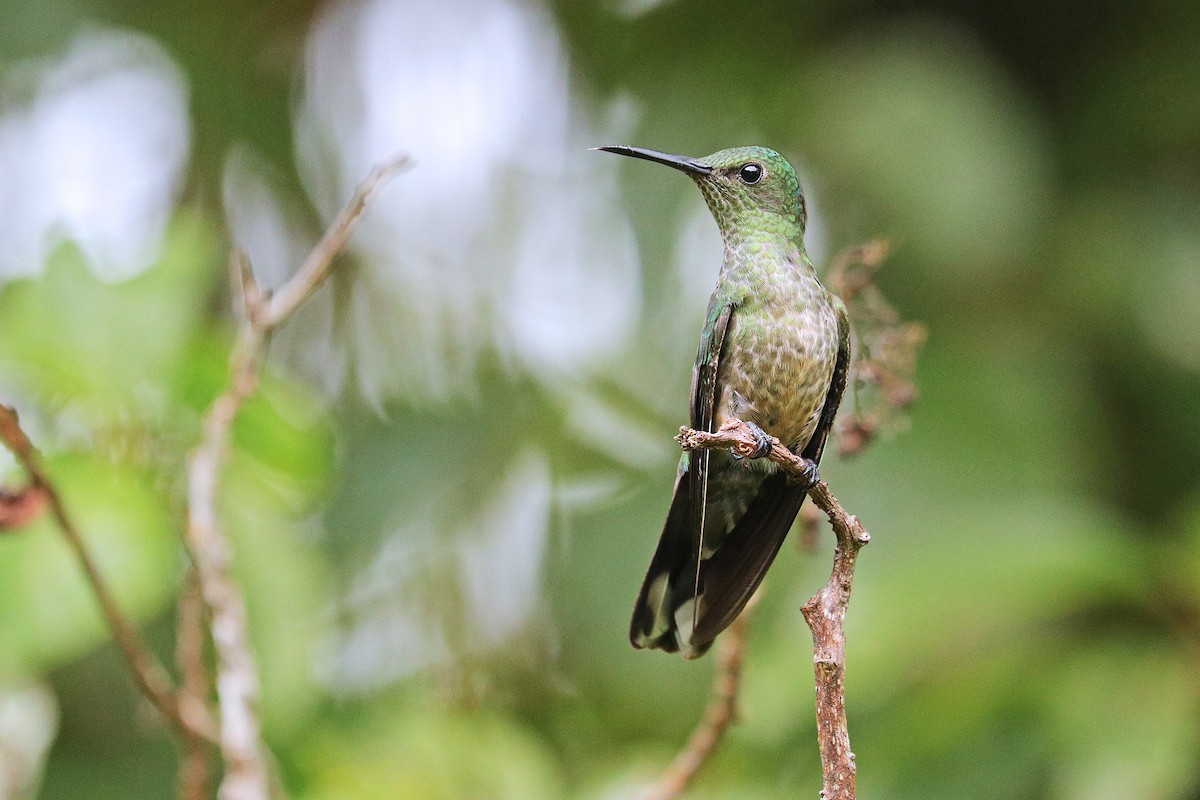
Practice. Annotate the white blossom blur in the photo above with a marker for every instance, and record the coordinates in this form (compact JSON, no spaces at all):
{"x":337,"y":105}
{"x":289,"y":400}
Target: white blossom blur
{"x":397,"y":619}
{"x":94,"y":153}
{"x":506,"y":235}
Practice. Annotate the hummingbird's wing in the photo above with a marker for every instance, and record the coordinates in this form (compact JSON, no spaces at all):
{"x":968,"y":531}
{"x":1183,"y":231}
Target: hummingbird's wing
{"x":670,"y":579}
{"x":737,"y":567}
{"x":837,"y":386}
{"x":704,"y":401}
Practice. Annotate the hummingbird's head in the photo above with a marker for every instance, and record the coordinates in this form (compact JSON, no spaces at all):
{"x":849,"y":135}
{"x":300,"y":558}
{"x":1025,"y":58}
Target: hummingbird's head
{"x":743,"y":186}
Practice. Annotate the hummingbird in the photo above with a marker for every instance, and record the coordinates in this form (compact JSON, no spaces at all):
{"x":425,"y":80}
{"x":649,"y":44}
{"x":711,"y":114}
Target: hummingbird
{"x":774,"y":353}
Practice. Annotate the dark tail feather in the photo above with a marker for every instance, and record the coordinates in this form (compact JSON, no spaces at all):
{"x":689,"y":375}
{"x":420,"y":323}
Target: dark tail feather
{"x":739,"y":564}
{"x":727,"y":578}
{"x":669,"y":578}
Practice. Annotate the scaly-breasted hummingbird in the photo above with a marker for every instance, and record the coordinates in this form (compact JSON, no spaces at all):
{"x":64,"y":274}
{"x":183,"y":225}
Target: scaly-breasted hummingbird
{"x":774,"y":353}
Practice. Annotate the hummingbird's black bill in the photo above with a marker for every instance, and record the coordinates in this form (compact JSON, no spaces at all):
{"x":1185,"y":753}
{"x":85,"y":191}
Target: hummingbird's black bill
{"x":683,"y":163}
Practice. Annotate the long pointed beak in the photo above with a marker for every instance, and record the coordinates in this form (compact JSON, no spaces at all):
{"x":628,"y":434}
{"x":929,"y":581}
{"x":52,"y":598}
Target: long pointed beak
{"x":693,"y":165}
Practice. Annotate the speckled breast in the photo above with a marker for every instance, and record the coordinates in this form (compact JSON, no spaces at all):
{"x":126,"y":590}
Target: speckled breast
{"x":778,"y":361}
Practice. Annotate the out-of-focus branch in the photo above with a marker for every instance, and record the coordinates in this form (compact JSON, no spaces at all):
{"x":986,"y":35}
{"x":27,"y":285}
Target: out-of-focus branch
{"x":722,"y":710}
{"x":319,"y":262}
{"x":810,"y":528}
{"x":149,"y":674}
{"x":246,"y":765}
{"x":237,"y":676}
{"x":885,"y":352}
{"x":825,"y":612}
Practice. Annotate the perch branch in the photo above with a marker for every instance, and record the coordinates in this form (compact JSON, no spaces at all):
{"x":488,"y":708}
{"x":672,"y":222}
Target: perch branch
{"x":722,"y":711}
{"x":247,"y":775}
{"x":825,"y":612}
{"x":149,"y":674}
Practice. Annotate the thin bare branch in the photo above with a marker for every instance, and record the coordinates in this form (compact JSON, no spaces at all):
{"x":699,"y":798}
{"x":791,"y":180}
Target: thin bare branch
{"x":319,"y":262}
{"x":252,"y":300}
{"x":825,"y":612}
{"x":237,"y":675}
{"x":149,"y":674}
{"x":722,"y":711}
{"x":810,"y":528}
{"x":247,"y":770}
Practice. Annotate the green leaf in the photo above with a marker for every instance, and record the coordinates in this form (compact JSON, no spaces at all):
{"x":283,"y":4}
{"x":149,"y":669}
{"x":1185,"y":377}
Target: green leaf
{"x":1124,"y":721}
{"x":75,"y":337}
{"x":431,"y":754}
{"x":48,"y":612}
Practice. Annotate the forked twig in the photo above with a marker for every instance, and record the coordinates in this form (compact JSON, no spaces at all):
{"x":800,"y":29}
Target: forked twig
{"x":149,"y":674}
{"x":247,"y":772}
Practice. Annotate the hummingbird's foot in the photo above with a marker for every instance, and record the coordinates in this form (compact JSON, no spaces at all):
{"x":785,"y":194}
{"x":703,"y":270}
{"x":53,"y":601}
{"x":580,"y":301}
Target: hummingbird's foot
{"x":763,"y":439}
{"x":810,"y":477}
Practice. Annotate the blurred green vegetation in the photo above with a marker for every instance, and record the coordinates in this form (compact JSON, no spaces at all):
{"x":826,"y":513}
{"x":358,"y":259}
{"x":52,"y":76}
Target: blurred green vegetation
{"x":446,"y":493}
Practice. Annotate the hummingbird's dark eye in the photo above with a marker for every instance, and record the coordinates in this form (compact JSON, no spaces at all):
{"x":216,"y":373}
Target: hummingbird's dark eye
{"x":750,"y":174}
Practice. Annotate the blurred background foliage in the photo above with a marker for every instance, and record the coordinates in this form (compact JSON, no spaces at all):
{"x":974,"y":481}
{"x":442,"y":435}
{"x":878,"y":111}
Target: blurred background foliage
{"x":445,"y":496}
